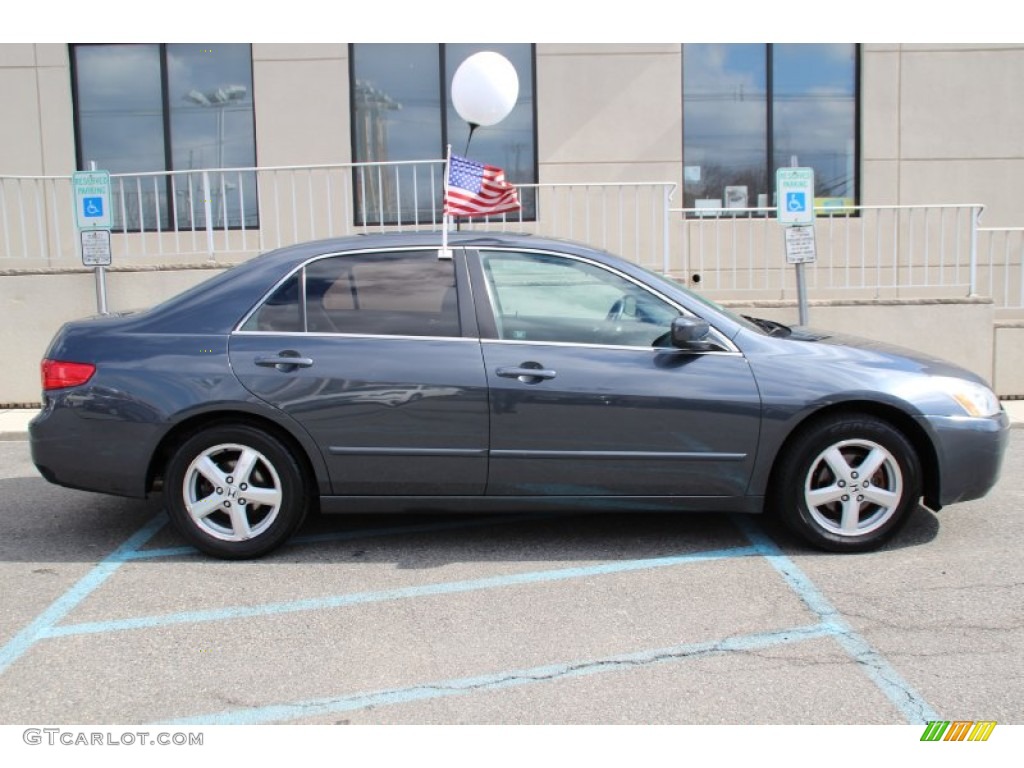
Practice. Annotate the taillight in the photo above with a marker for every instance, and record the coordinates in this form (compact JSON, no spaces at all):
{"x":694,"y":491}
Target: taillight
{"x":58,"y":374}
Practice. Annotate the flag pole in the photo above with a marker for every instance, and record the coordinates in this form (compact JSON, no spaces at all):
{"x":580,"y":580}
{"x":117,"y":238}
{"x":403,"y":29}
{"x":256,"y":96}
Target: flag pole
{"x":444,"y":253}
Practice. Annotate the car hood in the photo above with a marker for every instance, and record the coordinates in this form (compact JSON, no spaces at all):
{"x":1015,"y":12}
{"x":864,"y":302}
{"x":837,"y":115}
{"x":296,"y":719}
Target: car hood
{"x":879,"y":352}
{"x":818,"y":366}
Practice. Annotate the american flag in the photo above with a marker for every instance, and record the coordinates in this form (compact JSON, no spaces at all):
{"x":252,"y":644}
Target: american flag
{"x":475,"y":189}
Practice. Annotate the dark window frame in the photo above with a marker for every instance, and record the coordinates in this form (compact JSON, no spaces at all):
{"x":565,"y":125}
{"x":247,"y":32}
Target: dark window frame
{"x":167,"y":135}
{"x":770,"y":122}
{"x":443,"y":116}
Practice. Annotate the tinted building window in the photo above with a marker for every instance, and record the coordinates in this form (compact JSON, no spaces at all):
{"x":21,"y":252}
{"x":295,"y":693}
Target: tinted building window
{"x":749,"y":109}
{"x":402,"y":110}
{"x":175,"y":107}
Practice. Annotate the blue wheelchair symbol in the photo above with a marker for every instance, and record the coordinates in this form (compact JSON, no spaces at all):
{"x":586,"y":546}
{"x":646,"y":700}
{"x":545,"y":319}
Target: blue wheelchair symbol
{"x":796,"y":202}
{"x":92,"y":207}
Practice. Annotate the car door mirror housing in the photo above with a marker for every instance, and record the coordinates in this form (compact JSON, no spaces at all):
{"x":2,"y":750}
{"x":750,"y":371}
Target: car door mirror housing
{"x":690,"y":332}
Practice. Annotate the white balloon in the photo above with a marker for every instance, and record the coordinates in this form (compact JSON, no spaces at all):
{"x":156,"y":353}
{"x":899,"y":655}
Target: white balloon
{"x":485,"y":88}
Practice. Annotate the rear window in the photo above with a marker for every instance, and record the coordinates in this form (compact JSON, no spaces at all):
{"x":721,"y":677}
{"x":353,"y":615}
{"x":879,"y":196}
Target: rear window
{"x":405,"y":293}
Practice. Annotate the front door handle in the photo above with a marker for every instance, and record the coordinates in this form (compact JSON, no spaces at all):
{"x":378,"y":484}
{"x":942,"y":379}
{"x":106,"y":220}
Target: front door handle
{"x":286,"y":361}
{"x":528,"y":373}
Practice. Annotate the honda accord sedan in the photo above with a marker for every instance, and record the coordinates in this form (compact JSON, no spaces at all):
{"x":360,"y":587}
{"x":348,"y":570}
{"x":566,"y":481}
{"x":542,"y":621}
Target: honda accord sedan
{"x":501,"y":372}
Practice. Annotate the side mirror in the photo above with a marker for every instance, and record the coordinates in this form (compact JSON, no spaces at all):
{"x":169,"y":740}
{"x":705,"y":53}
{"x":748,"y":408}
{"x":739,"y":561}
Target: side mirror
{"x":689,"y":332}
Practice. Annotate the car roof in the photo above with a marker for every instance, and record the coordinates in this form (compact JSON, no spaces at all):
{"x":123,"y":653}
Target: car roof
{"x":425,"y":238}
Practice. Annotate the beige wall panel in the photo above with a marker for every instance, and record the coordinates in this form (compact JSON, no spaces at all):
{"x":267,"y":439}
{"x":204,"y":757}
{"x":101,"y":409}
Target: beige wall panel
{"x":52,"y":55}
{"x":1009,"y":359}
{"x":17,"y":55}
{"x":20,"y":131}
{"x":879,"y":182}
{"x":959,"y":47}
{"x":880,"y":113}
{"x":962,"y":104}
{"x":995,"y":183}
{"x":58,"y":128}
{"x":302,"y":113}
{"x":609,"y":109}
{"x":298,"y":51}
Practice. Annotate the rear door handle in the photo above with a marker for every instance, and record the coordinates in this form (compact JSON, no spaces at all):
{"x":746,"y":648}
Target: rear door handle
{"x":285,"y":361}
{"x":526,"y":373}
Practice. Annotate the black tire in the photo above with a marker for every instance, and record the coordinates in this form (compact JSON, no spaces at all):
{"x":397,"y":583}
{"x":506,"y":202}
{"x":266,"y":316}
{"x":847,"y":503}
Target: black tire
{"x":235,"y":517}
{"x":847,"y":483}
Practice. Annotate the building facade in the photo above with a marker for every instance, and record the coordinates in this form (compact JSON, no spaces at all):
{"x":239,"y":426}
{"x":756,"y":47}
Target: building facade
{"x":883,"y":125}
{"x":922,"y":124}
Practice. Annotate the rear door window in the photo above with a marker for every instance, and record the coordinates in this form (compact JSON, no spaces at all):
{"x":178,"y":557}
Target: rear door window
{"x":403,"y":293}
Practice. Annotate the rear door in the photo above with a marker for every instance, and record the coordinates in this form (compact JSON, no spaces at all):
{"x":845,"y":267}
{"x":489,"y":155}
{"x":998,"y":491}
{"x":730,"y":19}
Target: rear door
{"x":589,"y":399}
{"x":372,"y":355}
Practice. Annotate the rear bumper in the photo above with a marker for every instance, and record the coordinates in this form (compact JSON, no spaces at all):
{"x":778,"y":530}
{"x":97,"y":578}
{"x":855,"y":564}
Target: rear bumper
{"x":79,"y":449}
{"x":970,"y":454}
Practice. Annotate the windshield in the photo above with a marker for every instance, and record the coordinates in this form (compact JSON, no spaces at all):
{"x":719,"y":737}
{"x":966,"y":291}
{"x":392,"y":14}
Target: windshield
{"x":750,"y":323}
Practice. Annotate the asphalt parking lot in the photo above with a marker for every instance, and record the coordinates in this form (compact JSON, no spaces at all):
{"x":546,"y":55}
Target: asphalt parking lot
{"x":107,"y":617}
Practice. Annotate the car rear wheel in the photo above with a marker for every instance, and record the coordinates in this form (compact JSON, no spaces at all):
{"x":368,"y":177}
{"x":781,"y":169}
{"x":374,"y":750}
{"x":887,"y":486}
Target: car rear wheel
{"x":235,"y":492}
{"x":848,"y":483}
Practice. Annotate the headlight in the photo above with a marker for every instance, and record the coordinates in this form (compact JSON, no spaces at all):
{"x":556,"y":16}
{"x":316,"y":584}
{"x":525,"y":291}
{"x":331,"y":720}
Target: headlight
{"x":975,"y":399}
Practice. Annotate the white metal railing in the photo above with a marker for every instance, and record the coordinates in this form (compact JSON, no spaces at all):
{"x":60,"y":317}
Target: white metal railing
{"x":875,"y":251}
{"x":1001,"y":265}
{"x":180,"y":216}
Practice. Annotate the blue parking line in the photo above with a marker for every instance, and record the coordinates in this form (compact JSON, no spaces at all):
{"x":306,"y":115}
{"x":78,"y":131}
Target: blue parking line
{"x":913,"y":706}
{"x":62,"y":606}
{"x":885,"y":677}
{"x":500,"y":680}
{"x":366,"y":533}
{"x":401,"y":593}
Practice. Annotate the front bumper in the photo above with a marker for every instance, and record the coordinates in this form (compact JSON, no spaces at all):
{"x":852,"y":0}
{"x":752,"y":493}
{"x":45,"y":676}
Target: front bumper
{"x":970,"y":454}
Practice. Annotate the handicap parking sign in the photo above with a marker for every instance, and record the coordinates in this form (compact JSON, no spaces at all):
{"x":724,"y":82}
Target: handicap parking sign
{"x":92,"y":199}
{"x":794,"y":190}
{"x":92,"y":207}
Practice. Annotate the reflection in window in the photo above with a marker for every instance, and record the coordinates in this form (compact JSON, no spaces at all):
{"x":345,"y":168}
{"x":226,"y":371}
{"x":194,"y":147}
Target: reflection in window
{"x":749,"y":109}
{"x":539,"y":297}
{"x":175,"y":107}
{"x":402,"y":110}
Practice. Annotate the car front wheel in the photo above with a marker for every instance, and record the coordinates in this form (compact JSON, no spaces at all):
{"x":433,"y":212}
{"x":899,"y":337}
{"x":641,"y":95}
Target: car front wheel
{"x":235,"y":492}
{"x":848,"y":483}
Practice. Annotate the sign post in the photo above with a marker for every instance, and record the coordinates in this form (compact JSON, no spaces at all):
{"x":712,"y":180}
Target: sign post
{"x":92,"y":216}
{"x":794,"y":195}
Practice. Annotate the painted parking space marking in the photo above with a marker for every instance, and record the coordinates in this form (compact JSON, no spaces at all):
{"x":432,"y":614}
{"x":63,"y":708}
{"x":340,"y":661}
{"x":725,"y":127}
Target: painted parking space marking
{"x":424,"y":590}
{"x":507,"y":679}
{"x":913,"y":706}
{"x":831,"y":624}
{"x":62,"y":606}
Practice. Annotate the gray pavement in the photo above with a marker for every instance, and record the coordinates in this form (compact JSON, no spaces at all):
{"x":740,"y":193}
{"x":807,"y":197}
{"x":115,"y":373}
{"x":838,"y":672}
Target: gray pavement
{"x":106,"y":616}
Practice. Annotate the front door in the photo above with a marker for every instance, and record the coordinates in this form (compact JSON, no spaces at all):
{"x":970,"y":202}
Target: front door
{"x":588,"y":399}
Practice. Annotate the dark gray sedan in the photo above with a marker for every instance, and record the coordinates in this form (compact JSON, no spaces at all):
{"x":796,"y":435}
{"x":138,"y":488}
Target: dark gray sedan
{"x":380,"y":373}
